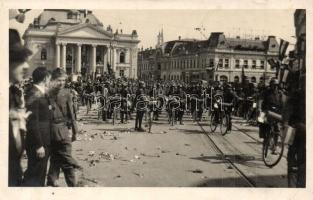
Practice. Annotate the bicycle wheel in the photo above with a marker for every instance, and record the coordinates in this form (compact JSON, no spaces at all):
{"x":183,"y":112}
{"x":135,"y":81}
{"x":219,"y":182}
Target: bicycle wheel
{"x":273,"y":149}
{"x":172,"y":117}
{"x":224,"y":123}
{"x":88,"y":106}
{"x":150,"y":122}
{"x":213,"y":124}
{"x":114,"y":116}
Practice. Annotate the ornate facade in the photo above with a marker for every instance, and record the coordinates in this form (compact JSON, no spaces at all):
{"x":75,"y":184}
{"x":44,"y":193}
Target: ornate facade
{"x":217,"y":58}
{"x":78,"y":42}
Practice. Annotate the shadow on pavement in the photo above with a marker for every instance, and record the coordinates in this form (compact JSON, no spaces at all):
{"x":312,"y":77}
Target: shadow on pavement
{"x":246,"y":160}
{"x":266,"y":181}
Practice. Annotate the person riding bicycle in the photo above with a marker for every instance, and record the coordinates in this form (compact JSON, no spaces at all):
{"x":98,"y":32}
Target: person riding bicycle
{"x":270,"y":101}
{"x":227,"y":95}
{"x":88,"y":91}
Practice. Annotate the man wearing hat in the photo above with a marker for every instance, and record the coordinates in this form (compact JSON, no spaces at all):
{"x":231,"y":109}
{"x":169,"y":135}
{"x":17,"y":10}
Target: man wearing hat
{"x":18,"y":56}
{"x":63,"y":120}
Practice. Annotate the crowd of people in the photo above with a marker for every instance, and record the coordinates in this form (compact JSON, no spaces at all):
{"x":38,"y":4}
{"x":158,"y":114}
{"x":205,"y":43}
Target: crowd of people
{"x":192,"y":98}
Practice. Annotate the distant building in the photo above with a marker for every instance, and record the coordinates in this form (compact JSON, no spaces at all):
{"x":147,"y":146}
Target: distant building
{"x":160,"y":39}
{"x":78,"y":42}
{"x":214,"y":59}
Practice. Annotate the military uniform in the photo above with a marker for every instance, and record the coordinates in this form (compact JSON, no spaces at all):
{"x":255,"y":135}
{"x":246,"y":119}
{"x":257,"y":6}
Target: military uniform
{"x":140,"y":105}
{"x":63,"y":119}
{"x":123,"y":113}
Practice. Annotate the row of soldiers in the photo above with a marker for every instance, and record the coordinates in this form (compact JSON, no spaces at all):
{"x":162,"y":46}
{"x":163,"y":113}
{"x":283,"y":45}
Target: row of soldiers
{"x":130,"y":90}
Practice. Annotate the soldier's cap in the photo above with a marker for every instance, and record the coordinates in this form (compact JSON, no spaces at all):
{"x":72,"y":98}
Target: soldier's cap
{"x":57,"y":73}
{"x":17,"y":52}
{"x":274,"y":81}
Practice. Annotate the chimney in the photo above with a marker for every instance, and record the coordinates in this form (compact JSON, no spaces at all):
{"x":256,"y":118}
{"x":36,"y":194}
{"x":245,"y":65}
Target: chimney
{"x":257,"y":38}
{"x":237,"y":37}
{"x":179,"y":37}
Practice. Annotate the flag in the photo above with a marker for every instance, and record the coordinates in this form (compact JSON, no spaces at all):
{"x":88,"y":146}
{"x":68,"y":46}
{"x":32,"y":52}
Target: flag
{"x":274,"y":64}
{"x":283,"y":48}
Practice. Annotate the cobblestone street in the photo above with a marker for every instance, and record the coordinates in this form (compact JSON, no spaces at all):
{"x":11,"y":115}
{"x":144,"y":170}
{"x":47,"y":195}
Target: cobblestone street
{"x":174,"y":156}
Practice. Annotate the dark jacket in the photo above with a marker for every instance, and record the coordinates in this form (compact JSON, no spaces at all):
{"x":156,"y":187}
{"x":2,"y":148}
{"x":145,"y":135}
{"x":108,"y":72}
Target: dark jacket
{"x":39,"y":122}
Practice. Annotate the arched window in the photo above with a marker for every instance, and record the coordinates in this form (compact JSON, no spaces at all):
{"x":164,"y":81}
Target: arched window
{"x":43,"y":54}
{"x":223,"y":78}
{"x":51,"y":20}
{"x":236,"y":79}
{"x":253,"y":79}
{"x":122,"y":57}
{"x":70,"y":15}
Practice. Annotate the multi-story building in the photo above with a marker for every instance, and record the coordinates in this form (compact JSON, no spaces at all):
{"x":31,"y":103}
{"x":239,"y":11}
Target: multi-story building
{"x":78,"y":42}
{"x":214,"y":59}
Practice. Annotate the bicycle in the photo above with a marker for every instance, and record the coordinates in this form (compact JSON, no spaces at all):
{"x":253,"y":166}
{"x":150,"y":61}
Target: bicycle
{"x":173,"y":105}
{"x":89,"y":98}
{"x":219,"y":117}
{"x":149,"y":113}
{"x":115,"y":106}
{"x":273,"y":142}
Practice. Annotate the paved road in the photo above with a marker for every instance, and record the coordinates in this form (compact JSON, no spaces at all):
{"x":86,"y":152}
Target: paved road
{"x":179,"y":156}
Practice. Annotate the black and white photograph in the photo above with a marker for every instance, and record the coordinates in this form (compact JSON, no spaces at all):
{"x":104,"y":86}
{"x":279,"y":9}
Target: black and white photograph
{"x":178,"y":98}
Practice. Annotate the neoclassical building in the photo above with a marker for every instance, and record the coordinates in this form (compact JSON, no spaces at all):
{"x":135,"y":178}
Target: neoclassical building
{"x":78,"y":42}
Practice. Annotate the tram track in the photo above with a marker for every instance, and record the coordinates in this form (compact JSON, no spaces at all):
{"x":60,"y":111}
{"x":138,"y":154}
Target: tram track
{"x":218,"y":151}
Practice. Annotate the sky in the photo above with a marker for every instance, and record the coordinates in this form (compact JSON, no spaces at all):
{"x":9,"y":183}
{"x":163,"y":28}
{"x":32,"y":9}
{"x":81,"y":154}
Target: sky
{"x":175,"y":23}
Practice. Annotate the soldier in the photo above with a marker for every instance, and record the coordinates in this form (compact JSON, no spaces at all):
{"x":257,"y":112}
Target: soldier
{"x":63,"y":120}
{"x":140,"y":105}
{"x":104,"y":100}
{"x":124,"y":93}
{"x":180,"y":111}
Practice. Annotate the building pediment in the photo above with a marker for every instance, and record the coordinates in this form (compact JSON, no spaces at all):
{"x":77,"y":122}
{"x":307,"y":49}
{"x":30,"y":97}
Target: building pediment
{"x":85,"y":31}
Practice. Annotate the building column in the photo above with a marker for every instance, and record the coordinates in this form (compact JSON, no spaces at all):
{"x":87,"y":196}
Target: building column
{"x":131,"y":70}
{"x":93,"y":61}
{"x":109,"y":57}
{"x":57,"y":55}
{"x":114,"y":61}
{"x":105,"y":59}
{"x":63,"y":64}
{"x":78,"y":59}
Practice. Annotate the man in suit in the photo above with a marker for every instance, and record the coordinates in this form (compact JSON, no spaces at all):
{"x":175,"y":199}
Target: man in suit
{"x":18,"y":56}
{"x":38,"y":129}
{"x":63,"y":120}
